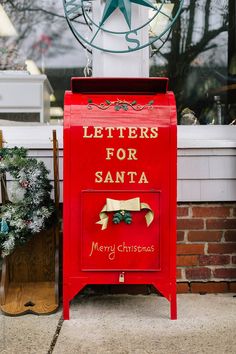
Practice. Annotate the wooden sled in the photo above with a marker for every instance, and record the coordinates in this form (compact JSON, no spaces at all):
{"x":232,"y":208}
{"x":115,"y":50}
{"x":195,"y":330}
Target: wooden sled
{"x":30,"y":275}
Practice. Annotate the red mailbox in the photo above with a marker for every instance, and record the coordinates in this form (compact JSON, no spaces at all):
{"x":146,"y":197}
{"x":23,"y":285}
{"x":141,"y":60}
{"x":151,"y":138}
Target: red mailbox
{"x":119,"y":185}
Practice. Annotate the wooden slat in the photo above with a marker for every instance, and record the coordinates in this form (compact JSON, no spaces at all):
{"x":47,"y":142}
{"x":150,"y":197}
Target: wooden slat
{"x":57,"y":201}
{"x":5,"y":273}
{"x":41,"y":295}
{"x":4,"y":282}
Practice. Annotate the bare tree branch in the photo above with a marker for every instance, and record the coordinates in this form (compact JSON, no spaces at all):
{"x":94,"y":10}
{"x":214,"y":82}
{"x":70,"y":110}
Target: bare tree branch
{"x":20,"y":8}
{"x":194,"y":33}
{"x":190,"y":27}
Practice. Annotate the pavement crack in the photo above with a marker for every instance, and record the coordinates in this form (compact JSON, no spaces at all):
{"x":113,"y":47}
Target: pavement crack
{"x":56,"y":335}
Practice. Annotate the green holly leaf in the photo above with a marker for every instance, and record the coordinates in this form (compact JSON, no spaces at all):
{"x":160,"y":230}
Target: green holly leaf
{"x":151,"y":102}
{"x":125,"y":107}
{"x":108,"y":102}
{"x":133,"y":103}
{"x":90,"y":101}
{"x":117,"y":108}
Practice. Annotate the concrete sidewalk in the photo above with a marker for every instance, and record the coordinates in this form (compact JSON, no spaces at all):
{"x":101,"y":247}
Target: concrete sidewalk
{"x":125,"y":324}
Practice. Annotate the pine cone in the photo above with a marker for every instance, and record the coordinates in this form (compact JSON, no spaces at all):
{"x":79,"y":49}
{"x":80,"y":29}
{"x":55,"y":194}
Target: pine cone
{"x":117,"y":218}
{"x":127,"y":218}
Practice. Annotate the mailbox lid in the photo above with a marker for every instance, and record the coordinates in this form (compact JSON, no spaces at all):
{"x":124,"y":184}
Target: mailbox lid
{"x":119,"y":85}
{"x":132,"y":101}
{"x":101,"y":90}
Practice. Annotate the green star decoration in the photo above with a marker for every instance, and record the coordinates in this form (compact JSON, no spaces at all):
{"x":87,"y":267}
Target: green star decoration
{"x":125,"y":8}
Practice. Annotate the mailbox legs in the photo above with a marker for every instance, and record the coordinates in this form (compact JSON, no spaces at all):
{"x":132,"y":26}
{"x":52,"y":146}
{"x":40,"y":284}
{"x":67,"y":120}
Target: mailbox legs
{"x":66,"y":310}
{"x":173,"y":307}
{"x":69,"y":291}
{"x":66,"y":303}
{"x":66,"y":300}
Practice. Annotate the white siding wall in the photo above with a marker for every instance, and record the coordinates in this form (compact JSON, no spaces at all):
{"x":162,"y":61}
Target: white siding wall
{"x":38,"y":140}
{"x":206,"y":158}
{"x":206,"y":163}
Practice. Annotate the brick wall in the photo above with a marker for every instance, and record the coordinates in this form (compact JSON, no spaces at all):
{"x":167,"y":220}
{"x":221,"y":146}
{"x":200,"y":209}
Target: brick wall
{"x":206,"y":248}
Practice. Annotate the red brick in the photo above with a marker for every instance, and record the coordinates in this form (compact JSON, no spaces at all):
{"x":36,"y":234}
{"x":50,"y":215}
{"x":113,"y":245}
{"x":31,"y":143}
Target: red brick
{"x":186,"y":261}
{"x":180,"y":236}
{"x":190,"y":249}
{"x":209,"y":287}
{"x":182,"y":211}
{"x":225,"y":273}
{"x":182,"y":288}
{"x":198,"y":273}
{"x":221,"y":224}
{"x":178,"y":274}
{"x":227,"y":248}
{"x":234,"y":259}
{"x":205,"y":236}
{"x":214,"y":260}
{"x":190,"y":224}
{"x":232,"y":287}
{"x":211,"y":211}
{"x":230,"y":236}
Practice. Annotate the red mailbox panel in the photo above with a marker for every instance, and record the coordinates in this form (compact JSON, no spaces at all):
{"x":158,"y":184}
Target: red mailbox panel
{"x":133,"y":247}
{"x":119,"y":185}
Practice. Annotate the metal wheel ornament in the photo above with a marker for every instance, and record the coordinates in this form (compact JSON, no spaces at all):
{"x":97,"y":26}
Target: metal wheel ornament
{"x":89,"y":20}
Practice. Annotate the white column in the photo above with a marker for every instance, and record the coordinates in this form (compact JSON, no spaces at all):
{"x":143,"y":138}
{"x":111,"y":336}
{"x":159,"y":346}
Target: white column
{"x":133,"y":64}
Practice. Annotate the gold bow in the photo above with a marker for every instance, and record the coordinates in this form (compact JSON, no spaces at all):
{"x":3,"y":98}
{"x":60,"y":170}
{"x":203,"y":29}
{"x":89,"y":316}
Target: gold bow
{"x":133,"y":204}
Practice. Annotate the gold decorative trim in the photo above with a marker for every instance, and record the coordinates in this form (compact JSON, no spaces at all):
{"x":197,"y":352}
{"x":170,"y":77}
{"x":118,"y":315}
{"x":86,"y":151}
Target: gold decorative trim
{"x":120,"y":105}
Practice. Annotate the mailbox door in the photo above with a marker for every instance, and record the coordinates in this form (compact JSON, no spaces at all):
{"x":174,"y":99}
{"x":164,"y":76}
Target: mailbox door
{"x":122,"y":247}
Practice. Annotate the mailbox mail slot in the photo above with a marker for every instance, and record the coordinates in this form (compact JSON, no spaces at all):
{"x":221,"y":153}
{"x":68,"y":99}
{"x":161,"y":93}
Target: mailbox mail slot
{"x":119,"y":185}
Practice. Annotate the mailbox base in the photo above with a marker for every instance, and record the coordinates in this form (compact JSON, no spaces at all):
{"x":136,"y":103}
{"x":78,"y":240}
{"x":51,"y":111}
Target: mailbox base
{"x":69,"y":291}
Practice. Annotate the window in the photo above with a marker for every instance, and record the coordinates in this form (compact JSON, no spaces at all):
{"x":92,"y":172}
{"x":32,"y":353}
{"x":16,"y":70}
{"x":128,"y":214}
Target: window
{"x":200,"y":60}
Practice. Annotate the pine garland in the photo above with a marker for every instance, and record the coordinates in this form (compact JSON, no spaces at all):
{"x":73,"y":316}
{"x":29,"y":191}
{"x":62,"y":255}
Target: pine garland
{"x":30,"y":208}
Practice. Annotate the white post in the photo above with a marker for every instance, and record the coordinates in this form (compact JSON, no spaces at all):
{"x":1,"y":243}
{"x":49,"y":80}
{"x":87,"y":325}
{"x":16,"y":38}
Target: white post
{"x":133,"y":64}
